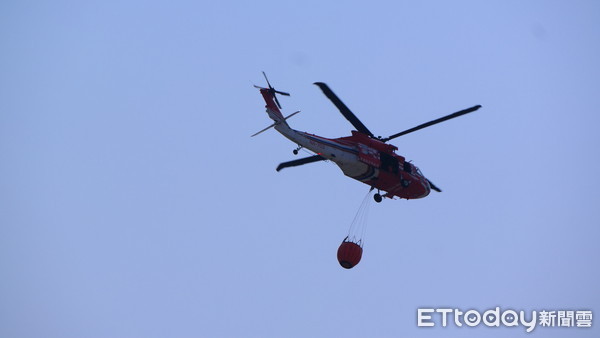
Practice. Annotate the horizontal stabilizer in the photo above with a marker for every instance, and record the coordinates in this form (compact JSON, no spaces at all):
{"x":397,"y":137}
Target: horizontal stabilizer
{"x":274,"y":124}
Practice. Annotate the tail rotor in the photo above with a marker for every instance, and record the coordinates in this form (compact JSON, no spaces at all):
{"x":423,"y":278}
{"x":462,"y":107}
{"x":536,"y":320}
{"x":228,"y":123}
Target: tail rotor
{"x":273,"y":91}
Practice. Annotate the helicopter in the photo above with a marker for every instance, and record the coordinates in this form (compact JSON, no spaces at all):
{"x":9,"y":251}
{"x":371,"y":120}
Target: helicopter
{"x":361,"y":156}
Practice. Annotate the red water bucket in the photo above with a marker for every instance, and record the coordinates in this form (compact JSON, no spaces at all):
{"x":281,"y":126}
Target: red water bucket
{"x":349,"y":254}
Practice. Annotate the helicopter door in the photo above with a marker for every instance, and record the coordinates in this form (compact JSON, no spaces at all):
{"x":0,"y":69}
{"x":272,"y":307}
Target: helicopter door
{"x":389,"y":163}
{"x":368,"y":155}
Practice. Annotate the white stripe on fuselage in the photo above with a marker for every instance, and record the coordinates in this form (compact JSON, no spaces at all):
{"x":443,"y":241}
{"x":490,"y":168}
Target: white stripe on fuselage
{"x":325,"y":147}
{"x":346,"y":157}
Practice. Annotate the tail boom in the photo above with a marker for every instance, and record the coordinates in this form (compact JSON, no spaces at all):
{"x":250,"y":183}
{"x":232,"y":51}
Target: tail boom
{"x":272,"y":109}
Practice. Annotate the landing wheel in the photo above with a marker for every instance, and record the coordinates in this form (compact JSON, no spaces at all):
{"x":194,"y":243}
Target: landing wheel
{"x":295,"y":151}
{"x":377,"y":197}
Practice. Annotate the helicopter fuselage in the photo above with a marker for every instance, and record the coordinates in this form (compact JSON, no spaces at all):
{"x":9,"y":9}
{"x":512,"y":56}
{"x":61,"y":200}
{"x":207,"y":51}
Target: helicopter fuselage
{"x":369,"y":161}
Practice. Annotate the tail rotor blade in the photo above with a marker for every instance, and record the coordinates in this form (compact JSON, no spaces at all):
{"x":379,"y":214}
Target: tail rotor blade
{"x":265,"y":75}
{"x":273,"y":91}
{"x":277,"y":101}
{"x":282,"y":93}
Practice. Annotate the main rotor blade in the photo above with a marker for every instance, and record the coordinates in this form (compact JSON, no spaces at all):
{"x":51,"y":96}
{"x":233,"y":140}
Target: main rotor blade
{"x":344,"y":109}
{"x":433,"y":186}
{"x":301,"y":161}
{"x":431,"y":123}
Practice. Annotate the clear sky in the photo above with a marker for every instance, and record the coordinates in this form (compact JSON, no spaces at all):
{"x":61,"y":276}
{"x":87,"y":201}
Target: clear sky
{"x":133,"y":202}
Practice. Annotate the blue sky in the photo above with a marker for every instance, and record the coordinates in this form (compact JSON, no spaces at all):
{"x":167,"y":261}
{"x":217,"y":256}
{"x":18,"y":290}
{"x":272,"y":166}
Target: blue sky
{"x":133,"y":202}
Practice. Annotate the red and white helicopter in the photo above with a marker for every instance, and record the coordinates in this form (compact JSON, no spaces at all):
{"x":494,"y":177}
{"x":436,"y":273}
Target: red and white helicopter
{"x":362,"y":156}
